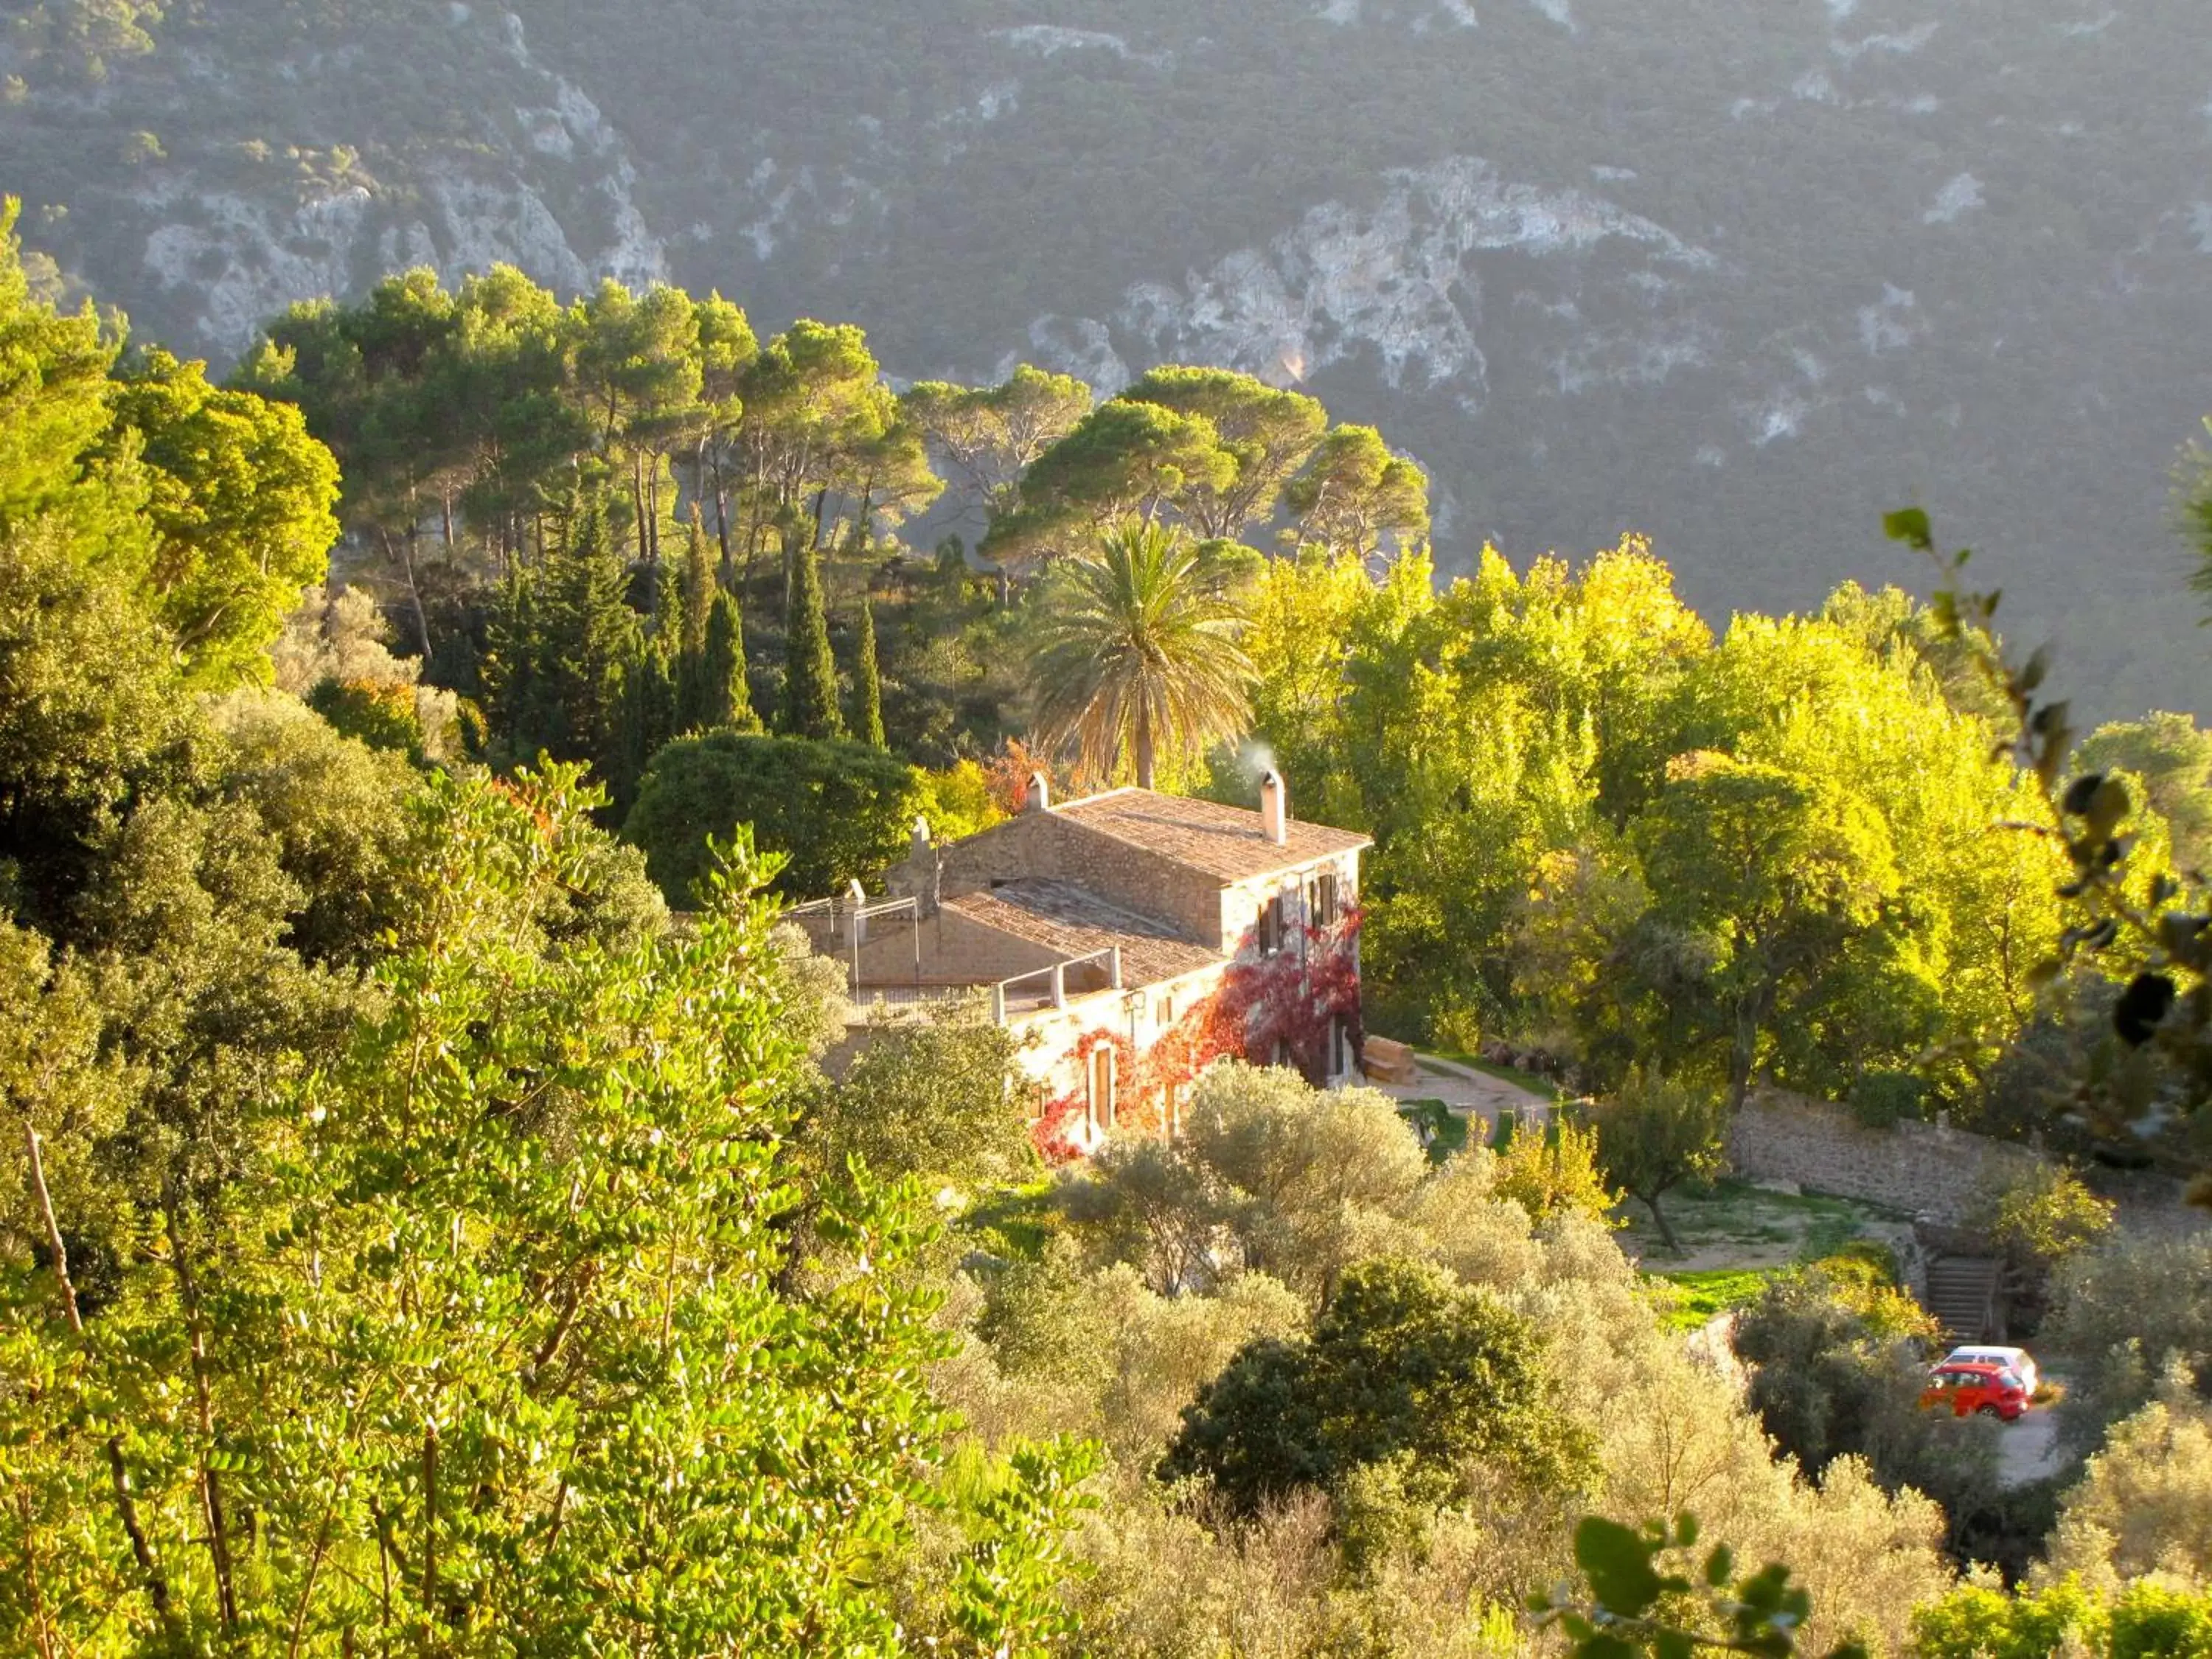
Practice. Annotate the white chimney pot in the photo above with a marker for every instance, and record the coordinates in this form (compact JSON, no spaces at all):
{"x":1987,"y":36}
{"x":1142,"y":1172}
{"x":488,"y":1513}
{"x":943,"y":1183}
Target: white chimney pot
{"x":1274,"y":808}
{"x":1039,"y":793}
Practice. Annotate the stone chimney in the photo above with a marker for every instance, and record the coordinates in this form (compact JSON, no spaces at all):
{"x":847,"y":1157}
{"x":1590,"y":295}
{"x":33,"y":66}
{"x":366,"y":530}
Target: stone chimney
{"x":1274,"y":808}
{"x":1040,"y":793}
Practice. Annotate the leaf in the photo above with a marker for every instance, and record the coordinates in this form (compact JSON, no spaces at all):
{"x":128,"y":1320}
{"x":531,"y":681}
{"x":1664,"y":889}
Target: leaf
{"x":1617,"y":1564}
{"x":1719,"y":1566}
{"x":2081,"y":792}
{"x":1910,"y":524}
{"x":2140,"y":1007}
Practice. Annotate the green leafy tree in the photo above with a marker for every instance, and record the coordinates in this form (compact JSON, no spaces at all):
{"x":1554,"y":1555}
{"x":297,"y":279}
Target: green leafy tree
{"x":1403,"y":1362}
{"x":1122,"y":460}
{"x":2143,"y":1503}
{"x":1267,"y":433}
{"x":84,"y":35}
{"x":93,"y":712}
{"x":53,"y":393}
{"x":1658,"y":1133}
{"x":1354,"y":497}
{"x":809,"y":705}
{"x":1829,"y":1379}
{"x":1977,"y":1621}
{"x":2172,"y":757}
{"x":2194,"y":501}
{"x":638,"y":371}
{"x":2047,"y":1216}
{"x":942,"y":1099}
{"x":833,"y":811}
{"x":815,"y":405}
{"x":1136,"y":652}
{"x":990,"y":436}
{"x":867,"y":682}
{"x":601,"y":1122}
{"x":240,"y":507}
{"x":2128,"y":908}
{"x":648,"y":719}
{"x":1765,"y":875}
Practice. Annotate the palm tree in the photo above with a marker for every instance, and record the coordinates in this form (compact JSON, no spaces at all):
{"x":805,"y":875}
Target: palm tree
{"x":1137,"y":650}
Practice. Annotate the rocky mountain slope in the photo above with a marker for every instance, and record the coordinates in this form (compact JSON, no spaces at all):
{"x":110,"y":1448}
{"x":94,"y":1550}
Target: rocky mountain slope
{"x":1740,"y":273}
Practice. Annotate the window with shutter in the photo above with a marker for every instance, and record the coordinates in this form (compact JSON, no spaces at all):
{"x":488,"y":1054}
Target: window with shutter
{"x":1099,"y":1108}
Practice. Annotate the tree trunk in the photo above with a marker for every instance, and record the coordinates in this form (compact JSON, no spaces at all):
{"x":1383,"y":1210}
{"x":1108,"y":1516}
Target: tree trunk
{"x":414,"y":593}
{"x":1743,"y":1055}
{"x":722,"y":516}
{"x":1659,"y":1220}
{"x":218,"y":1538}
{"x":1145,"y":756}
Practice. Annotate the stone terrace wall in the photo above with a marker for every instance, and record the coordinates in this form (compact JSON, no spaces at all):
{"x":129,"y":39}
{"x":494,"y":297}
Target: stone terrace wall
{"x":1924,"y":1169}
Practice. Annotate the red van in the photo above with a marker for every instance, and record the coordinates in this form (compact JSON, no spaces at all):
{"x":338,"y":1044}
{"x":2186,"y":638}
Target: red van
{"x":1989,"y":1390}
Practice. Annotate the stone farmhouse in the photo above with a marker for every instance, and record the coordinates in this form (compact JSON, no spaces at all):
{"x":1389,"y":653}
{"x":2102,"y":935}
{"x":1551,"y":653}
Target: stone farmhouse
{"x":1131,"y":938}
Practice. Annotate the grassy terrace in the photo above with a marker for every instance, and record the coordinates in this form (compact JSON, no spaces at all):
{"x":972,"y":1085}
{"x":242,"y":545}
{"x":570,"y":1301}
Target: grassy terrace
{"x":1736,"y":1237}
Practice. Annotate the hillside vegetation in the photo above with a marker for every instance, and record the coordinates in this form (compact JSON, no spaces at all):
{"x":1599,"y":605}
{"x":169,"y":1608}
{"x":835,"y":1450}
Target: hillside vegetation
{"x":1722,"y":277}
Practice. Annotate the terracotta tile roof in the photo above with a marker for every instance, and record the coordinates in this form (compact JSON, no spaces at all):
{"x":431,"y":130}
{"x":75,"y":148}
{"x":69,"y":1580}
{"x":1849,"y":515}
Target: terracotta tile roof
{"x":1075,"y":922}
{"x":1224,"y":841}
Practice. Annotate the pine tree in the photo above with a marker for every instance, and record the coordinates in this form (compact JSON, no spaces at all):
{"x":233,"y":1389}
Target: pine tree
{"x":724,"y":697}
{"x":867,"y":683}
{"x":810,"y":683}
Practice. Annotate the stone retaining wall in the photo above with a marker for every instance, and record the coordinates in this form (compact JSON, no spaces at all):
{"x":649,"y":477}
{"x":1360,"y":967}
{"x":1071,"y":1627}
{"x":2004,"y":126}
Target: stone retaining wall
{"x":1924,"y":1169}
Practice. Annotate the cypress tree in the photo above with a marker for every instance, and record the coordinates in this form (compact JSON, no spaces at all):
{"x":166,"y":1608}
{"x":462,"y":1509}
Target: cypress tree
{"x":810,"y":680}
{"x":648,"y":721}
{"x":697,"y":597}
{"x":867,"y":683}
{"x":724,"y":697}
{"x":589,"y":636}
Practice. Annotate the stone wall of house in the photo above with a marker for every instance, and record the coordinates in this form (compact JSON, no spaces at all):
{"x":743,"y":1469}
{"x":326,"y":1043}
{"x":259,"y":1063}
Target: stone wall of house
{"x":1242,"y":901}
{"x":1922,"y":1168}
{"x":1147,"y":882}
{"x":955,"y":950}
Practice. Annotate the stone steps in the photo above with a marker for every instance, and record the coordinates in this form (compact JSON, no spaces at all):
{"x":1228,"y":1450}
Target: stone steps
{"x":1962,"y":1294}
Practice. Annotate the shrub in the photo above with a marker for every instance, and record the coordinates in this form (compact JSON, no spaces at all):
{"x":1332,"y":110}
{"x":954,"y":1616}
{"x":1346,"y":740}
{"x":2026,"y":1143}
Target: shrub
{"x":1404,"y":1364}
{"x":1879,"y":1099}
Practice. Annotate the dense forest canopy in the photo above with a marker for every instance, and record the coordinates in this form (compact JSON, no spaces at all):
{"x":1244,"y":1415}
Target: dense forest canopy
{"x":1723,"y":278}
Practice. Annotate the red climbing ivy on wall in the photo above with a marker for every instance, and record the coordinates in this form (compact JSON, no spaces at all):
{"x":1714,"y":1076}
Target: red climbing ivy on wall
{"x":1291,"y":998}
{"x":1053,"y":1131}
